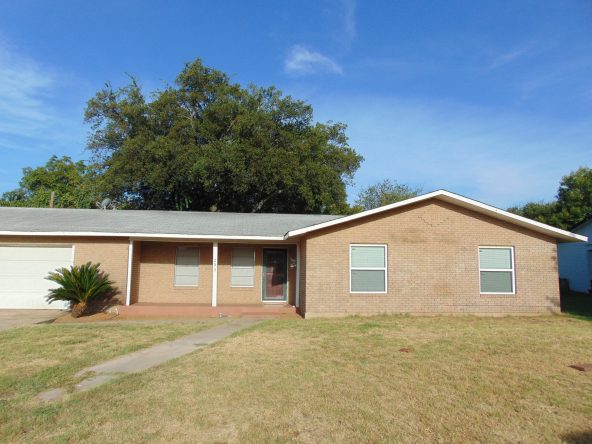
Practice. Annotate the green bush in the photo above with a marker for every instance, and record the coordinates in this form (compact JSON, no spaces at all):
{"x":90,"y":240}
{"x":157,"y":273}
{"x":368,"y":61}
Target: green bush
{"x":80,"y":285}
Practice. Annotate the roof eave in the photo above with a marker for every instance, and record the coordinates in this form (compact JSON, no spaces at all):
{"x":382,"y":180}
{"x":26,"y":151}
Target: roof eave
{"x":140,"y":235}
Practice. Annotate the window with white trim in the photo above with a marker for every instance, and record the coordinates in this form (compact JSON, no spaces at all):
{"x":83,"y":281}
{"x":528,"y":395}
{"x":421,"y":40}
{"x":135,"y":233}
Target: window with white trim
{"x":242,"y":267}
{"x":496,"y":270}
{"x":187,"y":267}
{"x":367,"y":271}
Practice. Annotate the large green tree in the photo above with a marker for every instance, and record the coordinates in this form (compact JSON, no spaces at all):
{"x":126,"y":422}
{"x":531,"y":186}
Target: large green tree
{"x":383,"y":193}
{"x":574,"y":197}
{"x":206,"y":143}
{"x":573,"y":203}
{"x":72,"y":182}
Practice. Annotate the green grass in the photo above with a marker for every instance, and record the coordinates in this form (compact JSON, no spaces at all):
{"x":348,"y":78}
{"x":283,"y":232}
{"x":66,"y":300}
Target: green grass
{"x":42,"y":357}
{"x":466,"y":379}
{"x":577,"y":304}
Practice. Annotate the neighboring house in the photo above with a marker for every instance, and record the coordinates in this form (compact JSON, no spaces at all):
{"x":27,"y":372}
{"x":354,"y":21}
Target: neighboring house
{"x":436,"y":253}
{"x":575,"y":260}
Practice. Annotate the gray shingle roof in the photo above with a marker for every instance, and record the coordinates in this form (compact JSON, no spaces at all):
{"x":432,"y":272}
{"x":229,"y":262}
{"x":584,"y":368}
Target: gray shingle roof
{"x":185,"y":223}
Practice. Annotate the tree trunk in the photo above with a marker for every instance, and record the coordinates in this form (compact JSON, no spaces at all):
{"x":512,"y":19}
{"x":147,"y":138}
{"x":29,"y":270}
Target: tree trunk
{"x":262,"y":202}
{"x":78,"y":309}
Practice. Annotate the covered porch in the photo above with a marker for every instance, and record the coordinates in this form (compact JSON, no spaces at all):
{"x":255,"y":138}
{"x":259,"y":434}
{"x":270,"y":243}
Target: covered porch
{"x":211,"y":278}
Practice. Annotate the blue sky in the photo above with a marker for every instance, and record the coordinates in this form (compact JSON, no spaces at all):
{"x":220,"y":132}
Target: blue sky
{"x":492,"y":100}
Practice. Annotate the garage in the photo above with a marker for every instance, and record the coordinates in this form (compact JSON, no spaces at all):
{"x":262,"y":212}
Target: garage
{"x":23,"y":270}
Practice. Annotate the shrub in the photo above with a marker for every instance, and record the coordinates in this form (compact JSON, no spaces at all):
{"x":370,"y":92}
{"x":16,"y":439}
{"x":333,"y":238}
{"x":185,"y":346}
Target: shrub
{"x":80,"y":285}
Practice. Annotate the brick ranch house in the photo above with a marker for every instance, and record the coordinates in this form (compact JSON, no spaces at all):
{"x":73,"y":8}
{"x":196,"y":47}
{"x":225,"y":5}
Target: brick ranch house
{"x":435,"y":253}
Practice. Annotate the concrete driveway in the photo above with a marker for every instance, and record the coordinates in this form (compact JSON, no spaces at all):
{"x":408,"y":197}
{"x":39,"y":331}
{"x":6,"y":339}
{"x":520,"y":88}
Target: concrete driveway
{"x":18,"y":318}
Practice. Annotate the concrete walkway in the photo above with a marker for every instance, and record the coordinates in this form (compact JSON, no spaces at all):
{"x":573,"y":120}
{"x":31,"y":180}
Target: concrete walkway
{"x":150,"y":357}
{"x":12,"y":318}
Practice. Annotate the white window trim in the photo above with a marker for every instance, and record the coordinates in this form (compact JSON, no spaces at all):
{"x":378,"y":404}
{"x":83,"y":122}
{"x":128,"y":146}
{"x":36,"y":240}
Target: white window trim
{"x":232,"y":265}
{"x":385,"y":268}
{"x":513,"y":269}
{"x":175,"y":285}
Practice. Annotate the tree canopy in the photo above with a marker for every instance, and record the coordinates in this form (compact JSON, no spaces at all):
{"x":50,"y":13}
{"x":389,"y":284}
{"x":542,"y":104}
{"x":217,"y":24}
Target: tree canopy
{"x":206,"y":143}
{"x":573,"y":203}
{"x":383,"y":193}
{"x":73,"y":184}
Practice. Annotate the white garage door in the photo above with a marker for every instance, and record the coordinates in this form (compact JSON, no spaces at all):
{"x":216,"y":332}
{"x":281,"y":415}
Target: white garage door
{"x":22,"y":275}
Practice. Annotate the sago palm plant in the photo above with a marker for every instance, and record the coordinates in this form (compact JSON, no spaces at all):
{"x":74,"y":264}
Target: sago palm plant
{"x":80,"y":285}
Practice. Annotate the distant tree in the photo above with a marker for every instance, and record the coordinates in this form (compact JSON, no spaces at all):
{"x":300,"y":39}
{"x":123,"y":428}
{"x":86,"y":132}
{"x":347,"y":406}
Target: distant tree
{"x":383,"y":193}
{"x":573,"y":202}
{"x":73,"y":183}
{"x":545,"y":212}
{"x":574,"y":197}
{"x":206,"y":143}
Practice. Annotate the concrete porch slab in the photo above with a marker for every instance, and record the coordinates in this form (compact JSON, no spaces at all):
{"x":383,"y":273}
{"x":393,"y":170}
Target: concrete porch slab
{"x":194,"y":311}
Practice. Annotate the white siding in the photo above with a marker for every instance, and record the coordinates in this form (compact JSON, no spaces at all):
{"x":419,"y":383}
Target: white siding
{"x":575,"y":261}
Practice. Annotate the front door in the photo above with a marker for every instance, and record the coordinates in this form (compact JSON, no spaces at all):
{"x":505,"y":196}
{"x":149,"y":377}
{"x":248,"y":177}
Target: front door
{"x":275,"y":274}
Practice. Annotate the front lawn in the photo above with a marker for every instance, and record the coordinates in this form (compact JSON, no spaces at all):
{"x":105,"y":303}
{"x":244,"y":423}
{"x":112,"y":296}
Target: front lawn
{"x":464,"y":379}
{"x":37,"y":358}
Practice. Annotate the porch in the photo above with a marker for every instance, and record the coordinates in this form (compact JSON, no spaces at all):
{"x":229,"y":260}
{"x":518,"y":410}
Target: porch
{"x":196,"y":311}
{"x":193,"y":278}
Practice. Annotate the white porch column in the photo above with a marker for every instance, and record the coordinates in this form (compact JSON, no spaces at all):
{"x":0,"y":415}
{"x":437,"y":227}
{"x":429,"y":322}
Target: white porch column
{"x":215,"y":274}
{"x":297,"y":296}
{"x":130,"y":260}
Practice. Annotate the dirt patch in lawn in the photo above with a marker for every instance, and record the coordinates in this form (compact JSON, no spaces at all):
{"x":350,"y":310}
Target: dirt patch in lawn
{"x":67,"y":318}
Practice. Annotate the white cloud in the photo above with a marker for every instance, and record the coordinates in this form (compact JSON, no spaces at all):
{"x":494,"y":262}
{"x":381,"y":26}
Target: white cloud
{"x":499,"y":157}
{"x":40,"y":114}
{"x":29,"y":120}
{"x":509,"y":57}
{"x":24,"y":87}
{"x":349,"y":19}
{"x":303,"y":61}
{"x":529,"y":49}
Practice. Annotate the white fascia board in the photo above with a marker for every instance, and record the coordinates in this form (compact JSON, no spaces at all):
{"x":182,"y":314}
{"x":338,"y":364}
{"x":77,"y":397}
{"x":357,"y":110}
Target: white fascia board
{"x":511,"y":217}
{"x":465,"y":202}
{"x":139,"y":235}
{"x":356,"y":216}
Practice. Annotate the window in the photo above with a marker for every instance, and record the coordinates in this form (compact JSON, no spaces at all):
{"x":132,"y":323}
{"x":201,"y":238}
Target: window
{"x":187,"y":267}
{"x":242,"y":267}
{"x":367,"y":268}
{"x":496,"y":270}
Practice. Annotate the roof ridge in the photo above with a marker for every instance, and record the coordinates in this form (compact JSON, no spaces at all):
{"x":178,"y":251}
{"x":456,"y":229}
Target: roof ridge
{"x":171,"y":212}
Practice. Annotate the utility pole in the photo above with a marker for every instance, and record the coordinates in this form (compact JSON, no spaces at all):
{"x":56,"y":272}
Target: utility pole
{"x":51,"y":198}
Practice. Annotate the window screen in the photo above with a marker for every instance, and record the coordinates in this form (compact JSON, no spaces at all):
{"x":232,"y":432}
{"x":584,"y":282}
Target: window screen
{"x":243,"y":267}
{"x":187,"y":267}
